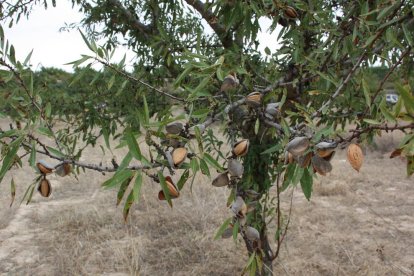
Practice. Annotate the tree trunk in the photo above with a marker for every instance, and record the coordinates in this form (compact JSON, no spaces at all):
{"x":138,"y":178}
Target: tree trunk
{"x":265,"y":254}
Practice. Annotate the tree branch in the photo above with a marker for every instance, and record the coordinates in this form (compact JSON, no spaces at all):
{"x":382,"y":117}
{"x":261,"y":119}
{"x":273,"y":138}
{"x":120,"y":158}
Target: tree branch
{"x":134,"y":22}
{"x":32,"y":100}
{"x":212,"y":20}
{"x":406,"y":52}
{"x":356,"y":133}
{"x":128,"y":76}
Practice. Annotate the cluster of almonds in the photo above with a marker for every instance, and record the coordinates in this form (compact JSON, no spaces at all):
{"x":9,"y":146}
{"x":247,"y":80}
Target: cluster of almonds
{"x":179,"y":153}
{"x":239,"y":207}
{"x":321,"y":156}
{"x":44,"y":188}
{"x":254,"y":100}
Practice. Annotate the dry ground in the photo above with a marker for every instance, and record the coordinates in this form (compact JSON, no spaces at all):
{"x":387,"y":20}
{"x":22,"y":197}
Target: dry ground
{"x":355,"y":224}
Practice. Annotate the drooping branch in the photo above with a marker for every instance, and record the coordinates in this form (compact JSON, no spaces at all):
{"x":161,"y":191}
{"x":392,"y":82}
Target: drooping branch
{"x":146,"y":30}
{"x":212,"y":20}
{"x":400,"y":59}
{"x":356,"y":133}
{"x":128,"y":76}
{"x":23,"y":85}
{"x":95,"y":167}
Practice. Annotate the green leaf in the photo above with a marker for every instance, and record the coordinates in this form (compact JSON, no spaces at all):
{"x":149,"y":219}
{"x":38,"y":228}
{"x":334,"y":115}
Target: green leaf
{"x":122,"y":189}
{"x":273,"y":149}
{"x":105,"y":133}
{"x":256,"y":126}
{"x":133,"y":145}
{"x":387,"y":114}
{"x":133,"y":196}
{"x":12,"y":55}
{"x":111,"y":82}
{"x":372,"y":122}
{"x":28,"y":189}
{"x":207,"y":157}
{"x":297,"y":176}
{"x":9,"y":133}
{"x":55,"y":152}
{"x":32,"y":158}
{"x":78,"y":62}
{"x":407,"y":97}
{"x":164,"y":188}
{"x":204,"y":167}
{"x":199,"y":139}
{"x":201,"y":113}
{"x":118,"y":178}
{"x":223,"y":228}
{"x":194,"y":165}
{"x":384,"y":13}
{"x":125,"y":162}
{"x":328,"y":78}
{"x":48,"y":110}
{"x":146,"y":110}
{"x":44,"y":131}
{"x":28,"y":57}
{"x":288,"y":177}
{"x":184,"y":177}
{"x":408,"y":35}
{"x":10,"y":157}
{"x":12,"y":191}
{"x":370,"y":41}
{"x":93,"y":49}
{"x":137,"y":185}
{"x":249,"y":264}
{"x":200,"y":87}
{"x":31,"y":190}
{"x":183,"y":75}
{"x":232,"y":197}
{"x":410,"y":165}
{"x":306,"y":182}
{"x":127,"y":206}
{"x":366,"y":89}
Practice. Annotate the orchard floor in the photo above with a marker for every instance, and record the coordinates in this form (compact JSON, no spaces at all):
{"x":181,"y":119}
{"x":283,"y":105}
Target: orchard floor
{"x":355,"y":224}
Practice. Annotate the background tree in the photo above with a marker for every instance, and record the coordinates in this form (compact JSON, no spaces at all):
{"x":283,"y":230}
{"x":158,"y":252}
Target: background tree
{"x":283,"y":115}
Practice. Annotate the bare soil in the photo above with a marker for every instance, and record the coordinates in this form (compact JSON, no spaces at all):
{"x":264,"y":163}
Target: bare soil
{"x":355,"y":224}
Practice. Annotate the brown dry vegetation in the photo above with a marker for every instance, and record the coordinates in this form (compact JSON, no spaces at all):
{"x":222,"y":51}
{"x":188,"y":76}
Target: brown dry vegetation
{"x":355,"y":224}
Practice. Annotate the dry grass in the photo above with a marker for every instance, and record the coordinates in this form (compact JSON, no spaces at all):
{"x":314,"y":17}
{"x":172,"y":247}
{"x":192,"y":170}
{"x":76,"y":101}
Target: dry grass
{"x":355,"y":224}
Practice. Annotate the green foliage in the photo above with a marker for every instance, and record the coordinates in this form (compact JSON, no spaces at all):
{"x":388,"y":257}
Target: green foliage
{"x":318,"y":73}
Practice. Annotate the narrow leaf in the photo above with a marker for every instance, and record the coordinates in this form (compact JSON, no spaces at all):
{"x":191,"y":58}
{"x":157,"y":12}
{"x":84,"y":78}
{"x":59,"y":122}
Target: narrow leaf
{"x":207,"y":157}
{"x":306,"y":184}
{"x":117,"y":178}
{"x":372,"y":122}
{"x":133,"y":145}
{"x":10,"y":157}
{"x":184,"y":177}
{"x":164,"y":188}
{"x":32,"y":158}
{"x":407,"y":97}
{"x":122,"y":190}
{"x":12,"y":191}
{"x":366,"y":89}
{"x":127,"y":206}
{"x":222,"y":228}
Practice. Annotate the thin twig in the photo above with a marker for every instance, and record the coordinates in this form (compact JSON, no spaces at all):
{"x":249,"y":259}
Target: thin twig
{"x":128,"y":76}
{"x":356,"y":133}
{"x":32,"y":99}
{"x":406,"y":52}
{"x":286,"y":228}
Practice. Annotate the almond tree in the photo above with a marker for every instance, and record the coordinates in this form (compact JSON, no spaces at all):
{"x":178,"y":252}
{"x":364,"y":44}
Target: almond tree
{"x":284,"y":112}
